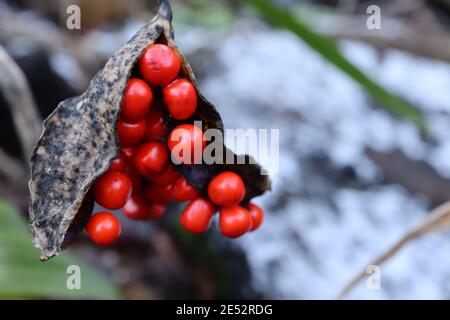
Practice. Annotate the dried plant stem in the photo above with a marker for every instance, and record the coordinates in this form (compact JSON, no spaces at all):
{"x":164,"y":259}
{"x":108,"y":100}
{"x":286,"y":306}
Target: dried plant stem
{"x":438,"y":219}
{"x":393,"y":35}
{"x":432,"y":47}
{"x":12,"y":170}
{"x":15,"y":89}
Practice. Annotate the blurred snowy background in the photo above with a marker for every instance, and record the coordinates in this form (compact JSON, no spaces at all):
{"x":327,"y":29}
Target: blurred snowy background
{"x":352,"y":179}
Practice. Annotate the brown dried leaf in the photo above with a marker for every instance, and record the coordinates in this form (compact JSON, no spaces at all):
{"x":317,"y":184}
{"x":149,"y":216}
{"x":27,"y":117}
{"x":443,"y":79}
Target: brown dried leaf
{"x":79,"y":142}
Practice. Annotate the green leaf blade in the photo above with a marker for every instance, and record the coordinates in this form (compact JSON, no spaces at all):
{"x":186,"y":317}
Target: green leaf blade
{"x":327,"y":49}
{"x":23,"y":275}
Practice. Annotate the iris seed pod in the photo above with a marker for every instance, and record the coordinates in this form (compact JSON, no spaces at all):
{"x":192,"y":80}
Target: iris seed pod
{"x":79,"y":141}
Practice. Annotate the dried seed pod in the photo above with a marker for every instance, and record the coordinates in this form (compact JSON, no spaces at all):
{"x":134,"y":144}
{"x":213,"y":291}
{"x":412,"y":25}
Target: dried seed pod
{"x":80,"y":140}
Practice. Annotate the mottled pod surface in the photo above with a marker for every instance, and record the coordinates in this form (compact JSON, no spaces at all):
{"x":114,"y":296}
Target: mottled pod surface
{"x":79,"y":142}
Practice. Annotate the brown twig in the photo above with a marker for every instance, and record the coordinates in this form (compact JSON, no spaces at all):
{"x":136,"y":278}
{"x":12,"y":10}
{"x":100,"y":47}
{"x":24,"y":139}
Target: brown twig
{"x":16,"y":91}
{"x":437,"y":220}
{"x":51,"y":39}
{"x":433,"y":47}
{"x":12,"y":170}
{"x":393,"y":35}
{"x":18,"y":25}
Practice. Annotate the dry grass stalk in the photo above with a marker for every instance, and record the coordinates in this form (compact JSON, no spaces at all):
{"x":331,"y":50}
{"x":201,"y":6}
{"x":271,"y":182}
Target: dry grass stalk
{"x":437,"y":220}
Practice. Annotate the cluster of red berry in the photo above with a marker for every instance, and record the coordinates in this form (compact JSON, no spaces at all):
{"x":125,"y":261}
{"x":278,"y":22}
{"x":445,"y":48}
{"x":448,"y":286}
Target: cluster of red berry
{"x":143,"y":179}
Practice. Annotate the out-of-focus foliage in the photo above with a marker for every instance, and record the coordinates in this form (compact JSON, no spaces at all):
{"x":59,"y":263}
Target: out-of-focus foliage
{"x":285,"y":19}
{"x":22,"y":275}
{"x":208,"y":14}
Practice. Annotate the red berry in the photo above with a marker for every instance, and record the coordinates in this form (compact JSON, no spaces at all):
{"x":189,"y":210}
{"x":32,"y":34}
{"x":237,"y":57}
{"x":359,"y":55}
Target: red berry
{"x":155,"y":129}
{"x":151,"y":158}
{"x":137,"y":208}
{"x":112,"y":190}
{"x":159,"y":64}
{"x":129,"y":152}
{"x":168,"y":176}
{"x":158,"y":194}
{"x":187,"y":144}
{"x":135,"y":177}
{"x":180,"y":98}
{"x":103,"y":228}
{"x":226,"y":189}
{"x":130,"y":133}
{"x":257,"y":215}
{"x":156,"y":211}
{"x":120,"y":163}
{"x":197,"y":216}
{"x":234,"y":221}
{"x":183,"y":191}
{"x":137,"y":100}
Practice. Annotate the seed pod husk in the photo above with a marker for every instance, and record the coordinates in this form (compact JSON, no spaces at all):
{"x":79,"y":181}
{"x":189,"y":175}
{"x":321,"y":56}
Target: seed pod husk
{"x":79,"y":141}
